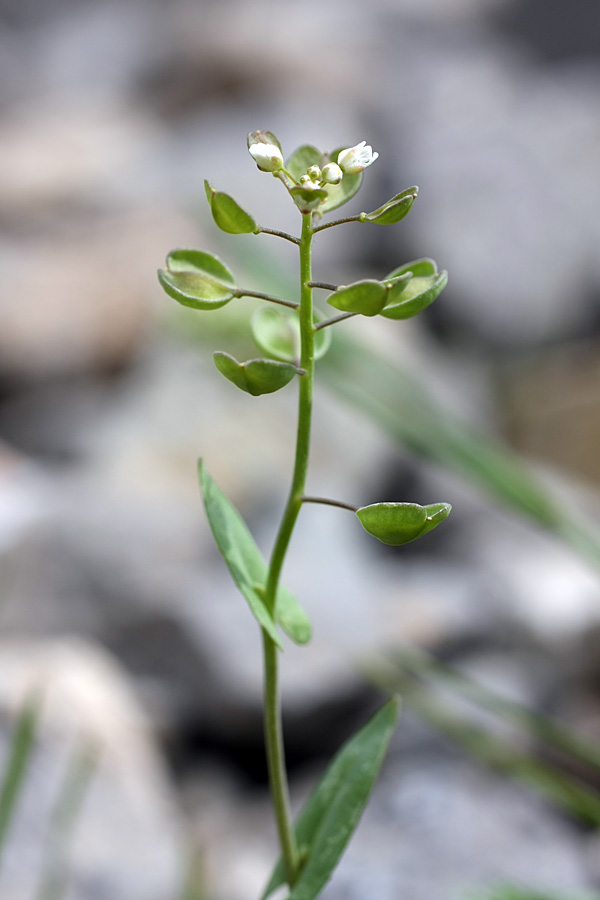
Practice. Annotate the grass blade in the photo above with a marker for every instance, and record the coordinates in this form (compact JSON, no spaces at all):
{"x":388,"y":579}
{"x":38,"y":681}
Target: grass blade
{"x":53,"y":882}
{"x":19,"y":754}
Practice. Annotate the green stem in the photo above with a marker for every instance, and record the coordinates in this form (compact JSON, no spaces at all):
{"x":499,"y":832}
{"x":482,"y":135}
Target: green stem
{"x":333,"y":321}
{"x":327,"y":502}
{"x":243,"y":292}
{"x":281,"y":234}
{"x":358,"y":218}
{"x":273,"y":730}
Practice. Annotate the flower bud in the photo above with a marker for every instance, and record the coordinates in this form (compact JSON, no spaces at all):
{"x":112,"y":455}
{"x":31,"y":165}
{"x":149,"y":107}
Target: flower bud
{"x":314,"y":173}
{"x":355,"y":159}
{"x":268,"y":157}
{"x":332,"y":174}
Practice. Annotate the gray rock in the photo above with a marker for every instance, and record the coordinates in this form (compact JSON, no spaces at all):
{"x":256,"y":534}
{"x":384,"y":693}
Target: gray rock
{"x":127,"y":838}
{"x":440,"y":828}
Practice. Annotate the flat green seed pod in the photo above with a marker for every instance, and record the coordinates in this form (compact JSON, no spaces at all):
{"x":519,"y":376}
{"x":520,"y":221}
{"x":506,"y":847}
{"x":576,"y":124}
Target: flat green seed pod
{"x":400,"y":523}
{"x":367,"y":297}
{"x":395,"y":209}
{"x":418,"y":267}
{"x":257,"y":376}
{"x":417,"y":296}
{"x":277,"y":333}
{"x":229,"y":215}
{"x":197,"y":279}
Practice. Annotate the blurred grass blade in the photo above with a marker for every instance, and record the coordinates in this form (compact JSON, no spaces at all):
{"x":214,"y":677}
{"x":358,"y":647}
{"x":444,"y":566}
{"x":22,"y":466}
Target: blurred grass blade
{"x":54,"y":878}
{"x":15,"y":767}
{"x":333,"y":810}
{"x":507,"y":892}
{"x":566,"y":790}
{"x":193,"y":887}
{"x":551,"y":733}
{"x":385,"y":393}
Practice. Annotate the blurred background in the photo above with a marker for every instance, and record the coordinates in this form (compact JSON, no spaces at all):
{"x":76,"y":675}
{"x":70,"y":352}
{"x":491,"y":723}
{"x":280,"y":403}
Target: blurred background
{"x":148,"y":764}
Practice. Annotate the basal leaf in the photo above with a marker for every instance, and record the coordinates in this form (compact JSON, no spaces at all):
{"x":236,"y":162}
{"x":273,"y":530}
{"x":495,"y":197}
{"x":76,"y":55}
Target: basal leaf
{"x":332,"y":812}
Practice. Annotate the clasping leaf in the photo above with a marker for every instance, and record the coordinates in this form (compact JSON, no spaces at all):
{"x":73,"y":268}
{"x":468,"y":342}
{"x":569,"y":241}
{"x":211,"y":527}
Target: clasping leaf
{"x":197,"y":279}
{"x":257,"y":376}
{"x":400,"y":523}
{"x":247,"y":566}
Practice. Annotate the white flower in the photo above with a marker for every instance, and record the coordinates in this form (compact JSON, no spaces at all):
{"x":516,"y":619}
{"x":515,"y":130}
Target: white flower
{"x":267,"y":157}
{"x":332,"y":174}
{"x":355,"y":159}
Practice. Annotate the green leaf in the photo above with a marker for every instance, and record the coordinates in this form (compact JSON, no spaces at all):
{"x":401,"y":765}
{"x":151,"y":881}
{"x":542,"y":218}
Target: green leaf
{"x":418,"y":294}
{"x":230,"y":216}
{"x":395,"y":209}
{"x":257,"y":376}
{"x":302,"y":159}
{"x":340,"y":193}
{"x":332,"y":812}
{"x":291,"y":616}
{"x":277,"y":333}
{"x":246,"y":564}
{"x":367,"y":297}
{"x":400,"y":523}
{"x":197,"y":279}
{"x":15,"y":767}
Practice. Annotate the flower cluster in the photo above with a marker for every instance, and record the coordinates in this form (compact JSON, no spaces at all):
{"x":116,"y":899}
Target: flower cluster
{"x":310,"y":188}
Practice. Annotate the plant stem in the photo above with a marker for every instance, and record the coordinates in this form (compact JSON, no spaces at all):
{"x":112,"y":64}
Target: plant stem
{"x":326,"y":322}
{"x":281,"y":234}
{"x":273,"y":730}
{"x":324,"y":285}
{"x":243,"y":292}
{"x":357,"y":218}
{"x":327,"y":502}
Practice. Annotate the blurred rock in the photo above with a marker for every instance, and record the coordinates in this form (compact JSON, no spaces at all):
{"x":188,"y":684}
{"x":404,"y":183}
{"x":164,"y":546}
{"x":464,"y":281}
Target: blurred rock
{"x":83,"y":303}
{"x":127,"y":840}
{"x":552,"y":407}
{"x":441,"y":828}
{"x":437,"y":826}
{"x":476,"y":129}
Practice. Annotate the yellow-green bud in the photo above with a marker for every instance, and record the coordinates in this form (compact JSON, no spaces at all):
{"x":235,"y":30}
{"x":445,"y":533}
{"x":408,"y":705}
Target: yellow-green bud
{"x":314,"y":173}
